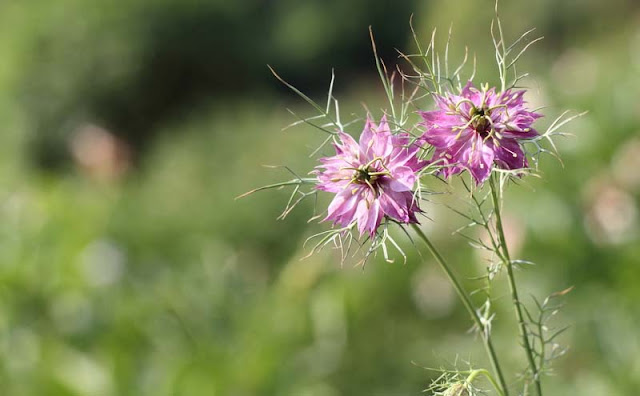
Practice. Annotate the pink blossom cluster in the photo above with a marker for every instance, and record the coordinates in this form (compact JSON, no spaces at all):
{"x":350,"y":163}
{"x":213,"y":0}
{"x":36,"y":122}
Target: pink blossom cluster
{"x":376,"y":177}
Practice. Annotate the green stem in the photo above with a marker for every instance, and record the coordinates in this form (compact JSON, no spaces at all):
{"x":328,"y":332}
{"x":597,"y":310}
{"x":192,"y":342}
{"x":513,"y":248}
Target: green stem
{"x":466,"y":301}
{"x":472,"y":376}
{"x":514,"y":291}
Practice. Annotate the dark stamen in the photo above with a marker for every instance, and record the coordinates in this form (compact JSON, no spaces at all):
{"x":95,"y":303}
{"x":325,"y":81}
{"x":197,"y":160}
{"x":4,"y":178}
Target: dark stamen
{"x":362,"y":175}
{"x":481,"y":120}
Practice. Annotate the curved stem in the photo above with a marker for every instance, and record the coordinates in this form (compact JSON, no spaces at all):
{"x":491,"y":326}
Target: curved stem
{"x":514,"y":291}
{"x":472,"y":376}
{"x":466,"y":301}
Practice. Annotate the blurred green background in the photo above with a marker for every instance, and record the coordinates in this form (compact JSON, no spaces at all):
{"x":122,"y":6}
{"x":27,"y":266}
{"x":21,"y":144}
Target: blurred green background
{"x":127,"y":267}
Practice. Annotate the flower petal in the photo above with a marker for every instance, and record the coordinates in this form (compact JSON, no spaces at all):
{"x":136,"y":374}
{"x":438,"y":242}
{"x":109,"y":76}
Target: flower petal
{"x":369,"y":216}
{"x":343,"y":207}
{"x":509,"y":155}
{"x":403,"y":179}
{"x":349,"y":147}
{"x":477,"y":157}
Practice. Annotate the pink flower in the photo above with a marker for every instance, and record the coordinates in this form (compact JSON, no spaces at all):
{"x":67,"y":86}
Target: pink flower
{"x":371,"y":179}
{"x":478,"y":129}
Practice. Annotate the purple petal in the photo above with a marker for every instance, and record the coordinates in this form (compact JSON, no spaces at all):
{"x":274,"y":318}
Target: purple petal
{"x":369,"y":216}
{"x":383,"y":139}
{"x":509,"y":155}
{"x":400,"y":206}
{"x":403,"y":179}
{"x":349,"y":146}
{"x":478,"y":159}
{"x":367,"y":136}
{"x":443,"y":138}
{"x":343,"y":207}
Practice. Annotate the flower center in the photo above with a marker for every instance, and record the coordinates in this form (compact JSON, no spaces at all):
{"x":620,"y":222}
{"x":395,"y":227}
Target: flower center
{"x":480,"y":120}
{"x":365,"y":175}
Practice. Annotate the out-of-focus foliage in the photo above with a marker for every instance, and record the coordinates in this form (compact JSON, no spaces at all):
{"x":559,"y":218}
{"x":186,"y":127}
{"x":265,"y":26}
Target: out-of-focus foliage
{"x":135,"y":65}
{"x":136,"y":273}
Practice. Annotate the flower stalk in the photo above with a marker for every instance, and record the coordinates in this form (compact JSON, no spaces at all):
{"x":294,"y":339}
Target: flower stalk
{"x":466,"y":301}
{"x":475,"y":373}
{"x":376,"y":179}
{"x":522,"y":326}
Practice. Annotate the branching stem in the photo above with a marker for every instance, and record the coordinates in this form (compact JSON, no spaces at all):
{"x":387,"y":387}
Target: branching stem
{"x":514,"y":291}
{"x":466,"y":301}
{"x":473,"y":374}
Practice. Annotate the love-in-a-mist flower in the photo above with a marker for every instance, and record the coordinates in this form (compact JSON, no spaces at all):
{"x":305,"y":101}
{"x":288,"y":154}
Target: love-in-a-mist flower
{"x":371,"y":179}
{"x":478,"y":129}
